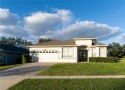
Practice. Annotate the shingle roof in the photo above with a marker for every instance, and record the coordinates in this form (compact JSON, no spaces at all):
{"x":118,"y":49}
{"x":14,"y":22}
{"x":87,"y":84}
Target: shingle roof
{"x":99,"y":43}
{"x":59,"y":42}
{"x":11,"y":48}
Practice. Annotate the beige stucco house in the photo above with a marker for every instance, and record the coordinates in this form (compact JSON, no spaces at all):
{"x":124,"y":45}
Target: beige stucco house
{"x":73,"y":50}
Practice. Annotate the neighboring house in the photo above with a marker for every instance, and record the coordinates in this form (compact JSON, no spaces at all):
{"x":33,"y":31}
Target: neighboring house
{"x":9,"y":54}
{"x":73,"y":50}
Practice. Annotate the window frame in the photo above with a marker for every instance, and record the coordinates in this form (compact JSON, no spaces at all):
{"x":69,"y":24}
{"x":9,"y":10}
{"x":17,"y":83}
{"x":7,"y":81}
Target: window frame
{"x":67,"y":52}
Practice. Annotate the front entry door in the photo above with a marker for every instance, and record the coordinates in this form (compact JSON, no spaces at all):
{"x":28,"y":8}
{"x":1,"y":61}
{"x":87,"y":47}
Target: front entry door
{"x":82,"y":55}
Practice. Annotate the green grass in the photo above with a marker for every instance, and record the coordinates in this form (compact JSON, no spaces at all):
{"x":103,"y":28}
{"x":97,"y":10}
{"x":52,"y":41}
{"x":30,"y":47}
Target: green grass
{"x":71,"y":84}
{"x":8,"y":66}
{"x":92,"y":68}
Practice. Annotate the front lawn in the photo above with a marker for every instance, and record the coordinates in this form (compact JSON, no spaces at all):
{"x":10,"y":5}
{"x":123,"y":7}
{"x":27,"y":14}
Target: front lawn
{"x":92,"y":68}
{"x":71,"y":84}
{"x":8,"y":66}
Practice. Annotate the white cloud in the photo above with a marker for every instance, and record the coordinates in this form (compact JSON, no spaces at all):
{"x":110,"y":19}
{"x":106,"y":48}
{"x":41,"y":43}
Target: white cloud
{"x":65,"y":15}
{"x":57,"y":24}
{"x":86,"y":29}
{"x":12,"y":31}
{"x":8,"y":18}
{"x":121,"y":38}
{"x":10,"y":24}
{"x":40,"y":23}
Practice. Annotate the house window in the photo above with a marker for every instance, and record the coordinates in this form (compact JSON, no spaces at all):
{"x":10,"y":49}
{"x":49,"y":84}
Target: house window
{"x":93,"y":52}
{"x":67,"y":52}
{"x":101,"y":52}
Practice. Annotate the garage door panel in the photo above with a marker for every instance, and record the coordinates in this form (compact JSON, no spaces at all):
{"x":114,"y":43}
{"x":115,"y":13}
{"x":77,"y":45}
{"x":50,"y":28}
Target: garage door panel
{"x":48,"y":57}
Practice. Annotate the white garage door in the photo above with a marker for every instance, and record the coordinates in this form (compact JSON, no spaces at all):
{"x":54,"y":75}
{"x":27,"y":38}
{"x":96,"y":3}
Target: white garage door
{"x":48,"y":56}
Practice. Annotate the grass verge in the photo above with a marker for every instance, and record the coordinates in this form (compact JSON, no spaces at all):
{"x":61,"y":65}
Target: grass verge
{"x":71,"y":84}
{"x":8,"y":66}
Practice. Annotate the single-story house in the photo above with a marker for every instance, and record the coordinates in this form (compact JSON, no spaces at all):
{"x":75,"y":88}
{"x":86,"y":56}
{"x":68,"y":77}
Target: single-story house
{"x":73,"y":50}
{"x":10,"y":54}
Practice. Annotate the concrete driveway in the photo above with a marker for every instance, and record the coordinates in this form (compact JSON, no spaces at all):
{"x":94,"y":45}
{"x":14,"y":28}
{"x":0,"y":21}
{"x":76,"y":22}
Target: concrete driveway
{"x":27,"y":69}
{"x":10,"y":77}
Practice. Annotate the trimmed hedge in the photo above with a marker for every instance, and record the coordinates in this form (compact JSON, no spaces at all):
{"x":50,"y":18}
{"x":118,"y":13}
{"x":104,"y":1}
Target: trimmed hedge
{"x":25,"y":58}
{"x":102,"y":59}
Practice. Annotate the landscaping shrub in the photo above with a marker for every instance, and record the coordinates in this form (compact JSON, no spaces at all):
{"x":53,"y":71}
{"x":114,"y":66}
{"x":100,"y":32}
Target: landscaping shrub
{"x":102,"y":59}
{"x":25,"y":58}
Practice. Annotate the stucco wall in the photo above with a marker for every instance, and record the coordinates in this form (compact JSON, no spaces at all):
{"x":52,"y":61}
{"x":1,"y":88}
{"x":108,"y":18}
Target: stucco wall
{"x":97,"y":51}
{"x":84,"y":42}
{"x":56,"y":56}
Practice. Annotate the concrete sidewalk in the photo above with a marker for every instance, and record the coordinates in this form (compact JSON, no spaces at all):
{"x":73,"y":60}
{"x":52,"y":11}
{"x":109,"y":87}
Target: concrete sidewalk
{"x":75,"y":77}
{"x":6,"y":82}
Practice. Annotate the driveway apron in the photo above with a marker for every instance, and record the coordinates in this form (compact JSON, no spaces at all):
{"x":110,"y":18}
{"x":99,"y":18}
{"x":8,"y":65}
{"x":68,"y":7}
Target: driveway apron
{"x":11,"y":76}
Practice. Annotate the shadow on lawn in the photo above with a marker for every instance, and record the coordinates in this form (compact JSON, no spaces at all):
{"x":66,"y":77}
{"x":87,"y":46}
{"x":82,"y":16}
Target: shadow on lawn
{"x":120,"y":60}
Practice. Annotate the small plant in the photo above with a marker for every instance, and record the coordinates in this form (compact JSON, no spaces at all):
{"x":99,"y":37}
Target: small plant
{"x":25,"y":58}
{"x":102,"y":59}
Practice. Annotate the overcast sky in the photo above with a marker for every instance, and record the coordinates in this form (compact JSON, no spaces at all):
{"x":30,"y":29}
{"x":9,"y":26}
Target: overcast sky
{"x":63,"y":19}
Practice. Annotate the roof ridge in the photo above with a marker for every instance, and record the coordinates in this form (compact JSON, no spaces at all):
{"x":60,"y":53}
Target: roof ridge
{"x":58,"y":42}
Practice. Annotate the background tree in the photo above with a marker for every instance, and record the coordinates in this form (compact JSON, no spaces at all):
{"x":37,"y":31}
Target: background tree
{"x":41,"y":40}
{"x":18,"y":41}
{"x":15,"y":41}
{"x":94,"y":41}
{"x":11,"y":41}
{"x":3,"y":40}
{"x":123,"y":49}
{"x":116,"y":50}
